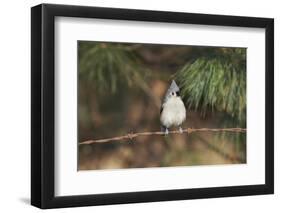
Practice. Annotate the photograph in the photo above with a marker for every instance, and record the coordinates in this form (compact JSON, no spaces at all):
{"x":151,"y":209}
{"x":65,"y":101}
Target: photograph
{"x":138,"y":105}
{"x":160,"y":105}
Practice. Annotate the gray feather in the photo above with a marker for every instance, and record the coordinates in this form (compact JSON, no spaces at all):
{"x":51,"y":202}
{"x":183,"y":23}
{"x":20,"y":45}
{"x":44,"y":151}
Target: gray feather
{"x":173,"y":88}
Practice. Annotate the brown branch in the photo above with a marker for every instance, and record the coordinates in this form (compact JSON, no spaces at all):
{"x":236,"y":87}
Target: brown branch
{"x":130,"y":136}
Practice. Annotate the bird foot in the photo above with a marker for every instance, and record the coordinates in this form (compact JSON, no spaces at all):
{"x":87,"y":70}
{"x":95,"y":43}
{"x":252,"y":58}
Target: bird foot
{"x":180,"y":130}
{"x":166,"y":132}
{"x":130,"y":136}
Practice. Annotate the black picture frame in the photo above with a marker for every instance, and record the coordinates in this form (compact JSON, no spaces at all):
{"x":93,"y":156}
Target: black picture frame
{"x":43,"y":102}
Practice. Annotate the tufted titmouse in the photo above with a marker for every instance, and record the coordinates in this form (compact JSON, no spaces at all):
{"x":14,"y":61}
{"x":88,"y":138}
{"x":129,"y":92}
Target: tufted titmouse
{"x":172,"y":111}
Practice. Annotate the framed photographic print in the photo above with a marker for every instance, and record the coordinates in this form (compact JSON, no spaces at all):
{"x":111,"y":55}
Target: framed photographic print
{"x":140,"y":106}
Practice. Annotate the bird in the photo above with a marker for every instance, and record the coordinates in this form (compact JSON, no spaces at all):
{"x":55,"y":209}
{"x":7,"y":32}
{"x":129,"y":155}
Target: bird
{"x":172,"y":112}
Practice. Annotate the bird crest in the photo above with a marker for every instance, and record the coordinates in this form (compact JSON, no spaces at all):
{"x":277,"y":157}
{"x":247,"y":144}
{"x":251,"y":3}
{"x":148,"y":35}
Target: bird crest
{"x":173,"y":88}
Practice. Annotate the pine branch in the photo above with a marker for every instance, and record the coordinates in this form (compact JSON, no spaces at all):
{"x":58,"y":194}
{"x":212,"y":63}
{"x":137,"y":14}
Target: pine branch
{"x":130,"y":136}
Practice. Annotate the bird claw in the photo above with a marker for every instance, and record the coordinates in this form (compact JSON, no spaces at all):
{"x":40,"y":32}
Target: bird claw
{"x":130,"y":136}
{"x":166,"y":132}
{"x":180,"y":130}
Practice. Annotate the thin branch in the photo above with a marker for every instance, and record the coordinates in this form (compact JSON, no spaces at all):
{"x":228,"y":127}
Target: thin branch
{"x":130,"y":136}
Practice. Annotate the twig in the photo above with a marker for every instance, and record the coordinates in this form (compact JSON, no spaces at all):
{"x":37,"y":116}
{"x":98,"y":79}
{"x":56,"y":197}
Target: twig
{"x":130,"y":136}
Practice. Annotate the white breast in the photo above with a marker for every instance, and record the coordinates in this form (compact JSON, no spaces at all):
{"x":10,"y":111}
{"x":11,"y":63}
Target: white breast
{"x":173,"y":113}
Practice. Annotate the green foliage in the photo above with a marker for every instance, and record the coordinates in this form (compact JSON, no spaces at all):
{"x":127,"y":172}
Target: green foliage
{"x":213,"y":79}
{"x":216,"y":81}
{"x":108,"y":66}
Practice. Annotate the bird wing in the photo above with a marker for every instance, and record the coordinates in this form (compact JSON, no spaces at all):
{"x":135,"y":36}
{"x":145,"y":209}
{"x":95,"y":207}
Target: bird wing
{"x":162,"y":105}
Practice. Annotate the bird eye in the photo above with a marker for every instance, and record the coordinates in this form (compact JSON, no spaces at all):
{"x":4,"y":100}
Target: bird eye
{"x":172,"y":93}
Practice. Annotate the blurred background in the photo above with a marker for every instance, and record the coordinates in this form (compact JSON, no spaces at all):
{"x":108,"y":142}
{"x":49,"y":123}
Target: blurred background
{"x":121,"y":86}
